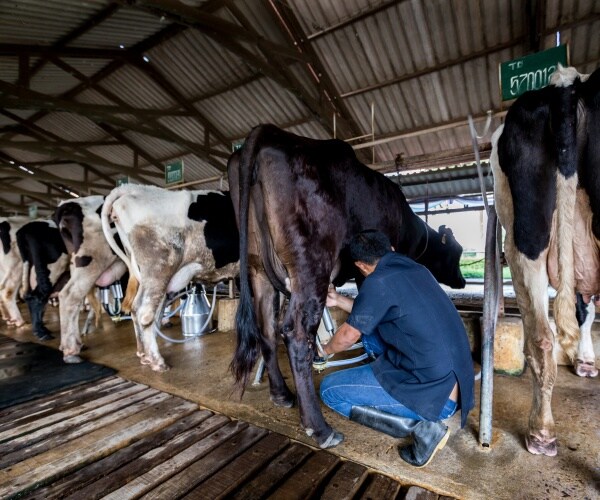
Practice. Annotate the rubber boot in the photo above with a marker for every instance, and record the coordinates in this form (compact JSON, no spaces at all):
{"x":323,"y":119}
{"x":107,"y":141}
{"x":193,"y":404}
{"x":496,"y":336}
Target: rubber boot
{"x":428,"y":438}
{"x":382,"y":421}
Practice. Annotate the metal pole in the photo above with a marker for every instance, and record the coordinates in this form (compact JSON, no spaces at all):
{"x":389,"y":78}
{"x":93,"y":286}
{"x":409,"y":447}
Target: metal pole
{"x":490,"y":314}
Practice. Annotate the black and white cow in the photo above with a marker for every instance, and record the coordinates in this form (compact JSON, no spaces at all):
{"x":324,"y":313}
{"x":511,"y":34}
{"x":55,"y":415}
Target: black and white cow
{"x":11,"y":269}
{"x":45,"y":269}
{"x":92,"y":263}
{"x":169,"y":238}
{"x":546,"y":165}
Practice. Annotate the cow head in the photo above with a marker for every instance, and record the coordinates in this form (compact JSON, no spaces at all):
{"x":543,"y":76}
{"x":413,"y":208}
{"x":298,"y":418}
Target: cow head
{"x":443,"y":258}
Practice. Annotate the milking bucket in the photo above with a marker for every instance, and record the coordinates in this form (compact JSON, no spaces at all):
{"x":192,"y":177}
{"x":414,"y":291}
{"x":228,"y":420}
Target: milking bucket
{"x":195,"y":314}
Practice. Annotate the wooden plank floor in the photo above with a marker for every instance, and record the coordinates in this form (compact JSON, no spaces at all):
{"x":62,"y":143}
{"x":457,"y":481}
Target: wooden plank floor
{"x":117,"y":439}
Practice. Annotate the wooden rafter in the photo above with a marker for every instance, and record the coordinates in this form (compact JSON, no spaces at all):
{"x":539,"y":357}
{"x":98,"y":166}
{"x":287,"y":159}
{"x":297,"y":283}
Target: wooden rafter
{"x":210,"y":24}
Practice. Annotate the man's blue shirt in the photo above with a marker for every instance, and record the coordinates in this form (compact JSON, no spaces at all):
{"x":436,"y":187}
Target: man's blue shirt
{"x":427,"y":349}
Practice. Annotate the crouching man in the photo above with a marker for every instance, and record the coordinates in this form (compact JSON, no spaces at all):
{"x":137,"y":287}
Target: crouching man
{"x":423,"y":370}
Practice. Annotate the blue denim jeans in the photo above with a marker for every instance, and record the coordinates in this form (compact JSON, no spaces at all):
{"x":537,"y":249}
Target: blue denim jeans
{"x":358,"y":386}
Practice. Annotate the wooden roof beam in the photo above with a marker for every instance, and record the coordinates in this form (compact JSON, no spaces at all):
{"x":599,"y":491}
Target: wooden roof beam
{"x":76,"y":33}
{"x":48,"y":52}
{"x":210,"y":24}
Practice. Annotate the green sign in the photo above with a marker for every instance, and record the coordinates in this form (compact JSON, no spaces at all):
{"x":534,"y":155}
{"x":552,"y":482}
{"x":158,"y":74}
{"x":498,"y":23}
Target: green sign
{"x":530,"y":72}
{"x":122,"y":180}
{"x":174,"y":172}
{"x":33,"y":211}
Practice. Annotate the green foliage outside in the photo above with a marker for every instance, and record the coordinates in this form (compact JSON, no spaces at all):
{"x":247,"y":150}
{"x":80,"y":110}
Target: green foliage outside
{"x":473,"y":267}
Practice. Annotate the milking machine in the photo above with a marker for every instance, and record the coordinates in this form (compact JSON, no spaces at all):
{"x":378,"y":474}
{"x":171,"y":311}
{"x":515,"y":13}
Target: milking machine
{"x":112,"y":308}
{"x":322,"y":360}
{"x":196,"y":313}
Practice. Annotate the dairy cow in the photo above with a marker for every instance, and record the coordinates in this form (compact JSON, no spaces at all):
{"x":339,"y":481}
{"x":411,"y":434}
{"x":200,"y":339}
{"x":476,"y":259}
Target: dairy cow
{"x":299,"y":202}
{"x":11,"y":269}
{"x":45,"y":269}
{"x":92,"y":263}
{"x":546,"y":165}
{"x":170,"y":237}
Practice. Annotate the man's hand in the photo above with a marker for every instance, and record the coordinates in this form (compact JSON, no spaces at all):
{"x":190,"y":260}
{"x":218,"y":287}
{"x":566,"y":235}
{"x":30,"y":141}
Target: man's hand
{"x":334,"y":299}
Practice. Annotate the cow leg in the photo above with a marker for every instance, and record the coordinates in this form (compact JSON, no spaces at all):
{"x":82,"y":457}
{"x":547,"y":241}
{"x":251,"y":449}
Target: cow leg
{"x":70,"y":302}
{"x":266,"y":299}
{"x":531,"y":288}
{"x":147,"y":307}
{"x":8,"y":296}
{"x":299,"y":329}
{"x":585,"y":364}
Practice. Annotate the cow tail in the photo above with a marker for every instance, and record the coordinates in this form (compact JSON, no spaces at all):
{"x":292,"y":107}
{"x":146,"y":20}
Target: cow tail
{"x":248,"y":334}
{"x":564,"y":123}
{"x":113,"y":196}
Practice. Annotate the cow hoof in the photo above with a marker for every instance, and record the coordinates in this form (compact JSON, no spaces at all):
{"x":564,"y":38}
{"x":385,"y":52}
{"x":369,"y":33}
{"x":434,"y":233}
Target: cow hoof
{"x":333,"y":440}
{"x":541,"y":445}
{"x":585,"y":368}
{"x":72,"y":359}
{"x":163,"y":367}
{"x":283,"y":402}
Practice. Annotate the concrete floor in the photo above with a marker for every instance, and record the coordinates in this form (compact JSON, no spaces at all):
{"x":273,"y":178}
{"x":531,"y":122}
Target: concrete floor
{"x":463,"y":469}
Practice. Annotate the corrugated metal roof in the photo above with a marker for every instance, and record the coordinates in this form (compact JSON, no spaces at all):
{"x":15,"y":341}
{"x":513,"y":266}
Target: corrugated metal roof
{"x":423,"y":65}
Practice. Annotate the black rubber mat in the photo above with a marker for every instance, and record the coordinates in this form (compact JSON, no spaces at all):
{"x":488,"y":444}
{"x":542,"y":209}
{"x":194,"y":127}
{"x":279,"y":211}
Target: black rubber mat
{"x":29,"y":370}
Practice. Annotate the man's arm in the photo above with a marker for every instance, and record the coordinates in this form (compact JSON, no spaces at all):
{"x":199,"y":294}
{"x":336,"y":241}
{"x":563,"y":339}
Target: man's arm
{"x":344,"y":337}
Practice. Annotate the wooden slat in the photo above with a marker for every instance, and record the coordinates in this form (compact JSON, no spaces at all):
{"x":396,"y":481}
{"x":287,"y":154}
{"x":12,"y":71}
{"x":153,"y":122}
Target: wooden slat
{"x":153,"y":457}
{"x":82,"y":425}
{"x":381,"y":486}
{"x":128,"y":456}
{"x":74,"y":395}
{"x":59,"y":421}
{"x":346,"y":481}
{"x":197,"y":472}
{"x":164,"y":471}
{"x":237,"y":472}
{"x":62,"y":460}
{"x":277,"y":470}
{"x":305,"y":481}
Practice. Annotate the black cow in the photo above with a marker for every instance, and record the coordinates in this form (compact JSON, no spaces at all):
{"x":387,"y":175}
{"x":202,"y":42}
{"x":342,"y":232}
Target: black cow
{"x":45,"y":269}
{"x":546,"y":164}
{"x":299,"y":202}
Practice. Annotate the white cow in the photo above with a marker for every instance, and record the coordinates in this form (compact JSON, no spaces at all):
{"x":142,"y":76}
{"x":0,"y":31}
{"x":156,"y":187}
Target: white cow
{"x":11,"y":269}
{"x":169,"y":238}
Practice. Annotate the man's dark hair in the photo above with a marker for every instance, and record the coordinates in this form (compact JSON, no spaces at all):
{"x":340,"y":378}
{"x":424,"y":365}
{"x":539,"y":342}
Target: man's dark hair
{"x":369,"y":246}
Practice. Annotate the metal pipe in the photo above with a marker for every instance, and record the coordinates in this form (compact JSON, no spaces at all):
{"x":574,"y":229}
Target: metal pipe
{"x":490,"y":314}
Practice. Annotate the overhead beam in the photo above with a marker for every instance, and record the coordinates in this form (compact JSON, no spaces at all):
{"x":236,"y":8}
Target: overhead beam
{"x":46,"y":176}
{"x":28,"y":99}
{"x":76,"y":33}
{"x":210,"y":24}
{"x":323,"y":84}
{"x":77,"y":156}
{"x":49,"y":51}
